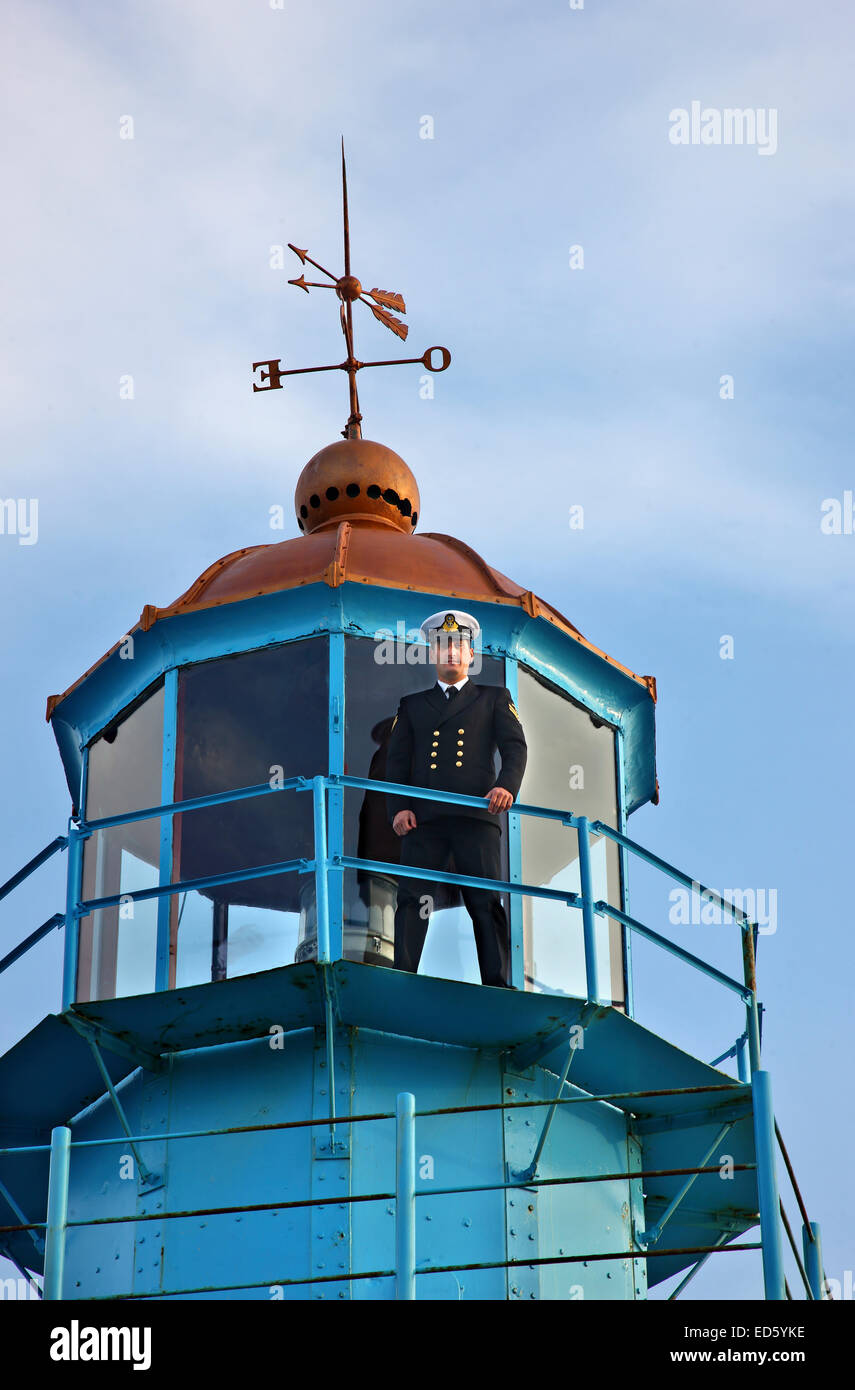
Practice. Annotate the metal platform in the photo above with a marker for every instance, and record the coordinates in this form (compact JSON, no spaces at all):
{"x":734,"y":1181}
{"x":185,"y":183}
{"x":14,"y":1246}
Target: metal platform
{"x":51,"y":1075}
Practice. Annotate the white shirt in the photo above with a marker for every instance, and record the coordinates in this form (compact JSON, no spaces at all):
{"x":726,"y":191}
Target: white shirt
{"x":457,"y":685}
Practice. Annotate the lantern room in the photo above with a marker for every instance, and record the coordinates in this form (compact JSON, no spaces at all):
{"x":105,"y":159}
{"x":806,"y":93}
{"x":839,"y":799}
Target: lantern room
{"x":287,"y":661}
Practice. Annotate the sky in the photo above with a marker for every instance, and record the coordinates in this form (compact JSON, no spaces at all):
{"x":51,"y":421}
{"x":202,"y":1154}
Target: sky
{"x":683,"y":381}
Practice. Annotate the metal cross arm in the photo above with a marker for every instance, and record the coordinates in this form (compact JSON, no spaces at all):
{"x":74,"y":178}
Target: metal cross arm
{"x":275,"y":372}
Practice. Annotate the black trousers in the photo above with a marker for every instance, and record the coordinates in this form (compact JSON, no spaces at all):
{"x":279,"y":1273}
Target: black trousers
{"x":476,"y":847}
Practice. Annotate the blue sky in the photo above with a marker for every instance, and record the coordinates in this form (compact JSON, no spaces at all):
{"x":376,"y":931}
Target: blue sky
{"x":596,"y":386}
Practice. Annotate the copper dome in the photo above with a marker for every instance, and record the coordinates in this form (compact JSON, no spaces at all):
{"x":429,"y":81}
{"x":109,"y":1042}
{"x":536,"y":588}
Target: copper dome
{"x":362,"y":538}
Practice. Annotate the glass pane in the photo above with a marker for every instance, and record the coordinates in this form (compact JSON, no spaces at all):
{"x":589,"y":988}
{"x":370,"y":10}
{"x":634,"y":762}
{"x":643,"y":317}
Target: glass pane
{"x":571,"y":766}
{"x":117,"y":944}
{"x":241,"y":721}
{"x":373,"y":688}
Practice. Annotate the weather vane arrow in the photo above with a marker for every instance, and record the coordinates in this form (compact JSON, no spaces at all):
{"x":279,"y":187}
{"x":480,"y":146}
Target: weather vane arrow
{"x":348,"y":290}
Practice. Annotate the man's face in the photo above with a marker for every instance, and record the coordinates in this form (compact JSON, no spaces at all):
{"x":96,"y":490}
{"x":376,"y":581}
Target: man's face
{"x":453,"y":657}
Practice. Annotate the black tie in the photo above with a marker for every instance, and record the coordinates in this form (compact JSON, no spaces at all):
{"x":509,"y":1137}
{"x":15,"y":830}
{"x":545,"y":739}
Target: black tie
{"x":451,"y":692}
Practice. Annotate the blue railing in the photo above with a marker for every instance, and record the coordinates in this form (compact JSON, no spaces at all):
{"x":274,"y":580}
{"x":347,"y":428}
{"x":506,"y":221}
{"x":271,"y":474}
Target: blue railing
{"x":405,"y":1193}
{"x":324,"y":864}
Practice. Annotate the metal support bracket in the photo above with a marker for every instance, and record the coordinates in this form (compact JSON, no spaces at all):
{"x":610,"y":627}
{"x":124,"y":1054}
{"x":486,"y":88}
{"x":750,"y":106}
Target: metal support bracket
{"x":731,"y":1110}
{"x":149,"y":1180}
{"x":528,"y":1173}
{"x":24,"y":1220}
{"x":325,"y":1147}
{"x":88,"y":1029}
{"x":650,"y":1237}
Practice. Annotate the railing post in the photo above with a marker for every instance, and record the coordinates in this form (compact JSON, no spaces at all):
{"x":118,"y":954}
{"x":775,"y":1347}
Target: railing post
{"x":57,"y":1212}
{"x":749,"y":971}
{"x":405,"y":1196}
{"x":322,"y":900}
{"x":742,"y":1067}
{"x":767,"y":1186}
{"x":813,"y":1258}
{"x":76,"y":840}
{"x":588,"y":919}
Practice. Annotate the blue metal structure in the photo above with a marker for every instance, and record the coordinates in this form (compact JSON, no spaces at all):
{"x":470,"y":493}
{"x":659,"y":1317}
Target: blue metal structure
{"x":328,"y":1128}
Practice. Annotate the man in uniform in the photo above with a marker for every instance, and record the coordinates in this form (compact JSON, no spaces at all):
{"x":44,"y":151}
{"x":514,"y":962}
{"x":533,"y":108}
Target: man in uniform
{"x":445,"y":738}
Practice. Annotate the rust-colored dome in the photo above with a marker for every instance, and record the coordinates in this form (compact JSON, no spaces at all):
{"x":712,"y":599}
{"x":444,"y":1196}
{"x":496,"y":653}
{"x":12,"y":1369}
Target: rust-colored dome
{"x":356,"y":479}
{"x":364,"y":537}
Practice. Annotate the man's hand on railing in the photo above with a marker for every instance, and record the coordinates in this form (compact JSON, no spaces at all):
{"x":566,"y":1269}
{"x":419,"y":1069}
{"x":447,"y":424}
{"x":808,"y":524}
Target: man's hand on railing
{"x":404,"y":822}
{"x":500,"y":800}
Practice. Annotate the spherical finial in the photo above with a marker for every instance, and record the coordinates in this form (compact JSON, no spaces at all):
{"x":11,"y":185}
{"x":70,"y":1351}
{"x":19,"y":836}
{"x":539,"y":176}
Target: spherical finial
{"x":356,"y":480}
{"x":348,"y":288}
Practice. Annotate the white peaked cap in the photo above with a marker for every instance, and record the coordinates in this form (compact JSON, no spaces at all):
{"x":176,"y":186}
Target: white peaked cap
{"x":450,"y":620}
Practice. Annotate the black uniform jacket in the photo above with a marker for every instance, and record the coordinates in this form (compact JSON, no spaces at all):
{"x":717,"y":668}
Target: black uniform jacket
{"x":450,"y":747}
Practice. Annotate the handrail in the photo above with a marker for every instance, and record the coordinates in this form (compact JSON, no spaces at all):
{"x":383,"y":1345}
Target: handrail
{"x":35,"y":863}
{"x":323,"y":863}
{"x":57,"y":920}
{"x":789,"y":1167}
{"x":404,"y":1194}
{"x":657,"y":863}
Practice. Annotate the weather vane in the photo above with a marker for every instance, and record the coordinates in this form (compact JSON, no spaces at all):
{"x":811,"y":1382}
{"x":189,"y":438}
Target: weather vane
{"x":348,"y":289}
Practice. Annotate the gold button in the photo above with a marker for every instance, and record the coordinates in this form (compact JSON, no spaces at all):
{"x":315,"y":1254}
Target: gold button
{"x":436,"y":731}
{"x":458,"y":764}
{"x":433,"y":767}
{"x":435,"y":742}
{"x":460,"y":742}
{"x":460,"y":731}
